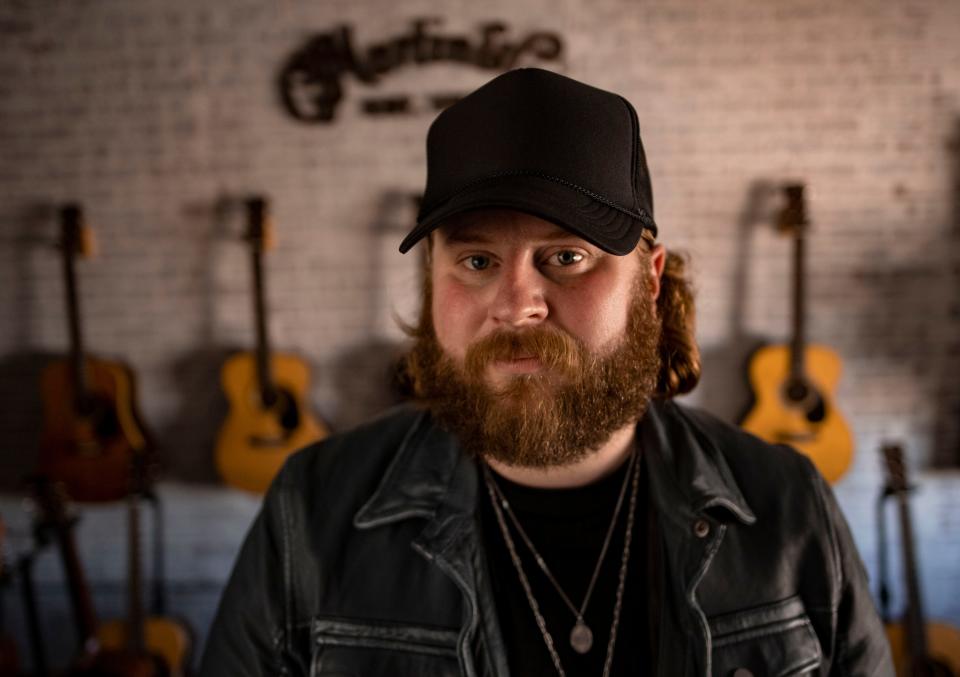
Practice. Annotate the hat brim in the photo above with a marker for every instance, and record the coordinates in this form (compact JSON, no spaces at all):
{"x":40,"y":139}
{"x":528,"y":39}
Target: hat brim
{"x":614,"y":230}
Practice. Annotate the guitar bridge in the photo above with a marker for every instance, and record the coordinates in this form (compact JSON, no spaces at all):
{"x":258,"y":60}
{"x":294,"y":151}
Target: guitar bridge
{"x":267,"y":440}
{"x":784,"y":437}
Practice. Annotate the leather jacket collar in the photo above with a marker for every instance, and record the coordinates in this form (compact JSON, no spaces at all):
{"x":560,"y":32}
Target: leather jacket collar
{"x":430,"y":476}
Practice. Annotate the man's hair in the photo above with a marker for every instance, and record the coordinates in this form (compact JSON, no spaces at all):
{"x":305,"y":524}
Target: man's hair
{"x":679,"y":353}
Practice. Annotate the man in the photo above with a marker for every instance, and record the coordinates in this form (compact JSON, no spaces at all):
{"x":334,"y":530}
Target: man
{"x":547,"y":509}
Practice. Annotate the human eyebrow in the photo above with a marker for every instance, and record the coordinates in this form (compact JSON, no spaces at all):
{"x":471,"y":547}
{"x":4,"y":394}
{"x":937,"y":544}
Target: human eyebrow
{"x":561,"y":234}
{"x":466,"y":236}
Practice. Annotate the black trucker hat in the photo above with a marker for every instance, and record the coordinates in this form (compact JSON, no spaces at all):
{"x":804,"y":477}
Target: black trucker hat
{"x":545,"y":144}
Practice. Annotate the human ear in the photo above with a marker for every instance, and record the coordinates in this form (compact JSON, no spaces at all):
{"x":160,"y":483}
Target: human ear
{"x":656,"y":259}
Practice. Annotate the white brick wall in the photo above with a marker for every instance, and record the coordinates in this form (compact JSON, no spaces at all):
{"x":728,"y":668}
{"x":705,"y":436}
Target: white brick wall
{"x":152,"y":114}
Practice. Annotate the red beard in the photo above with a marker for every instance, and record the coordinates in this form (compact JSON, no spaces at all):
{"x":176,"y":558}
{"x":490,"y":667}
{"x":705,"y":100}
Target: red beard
{"x":555,"y":416}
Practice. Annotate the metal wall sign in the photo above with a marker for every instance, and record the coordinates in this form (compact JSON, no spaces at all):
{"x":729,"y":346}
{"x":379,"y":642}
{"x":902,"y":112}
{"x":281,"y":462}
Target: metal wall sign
{"x":311,"y":79}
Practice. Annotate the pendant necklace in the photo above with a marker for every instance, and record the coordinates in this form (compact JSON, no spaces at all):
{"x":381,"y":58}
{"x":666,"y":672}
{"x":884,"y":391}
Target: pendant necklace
{"x":581,"y":636}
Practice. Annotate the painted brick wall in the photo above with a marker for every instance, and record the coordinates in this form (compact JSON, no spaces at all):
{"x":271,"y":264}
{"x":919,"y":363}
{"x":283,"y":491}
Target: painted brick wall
{"x":158,"y":116}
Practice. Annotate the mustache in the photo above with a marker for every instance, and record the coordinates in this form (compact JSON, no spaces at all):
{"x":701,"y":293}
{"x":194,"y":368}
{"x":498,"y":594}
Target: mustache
{"x":554,"y":348}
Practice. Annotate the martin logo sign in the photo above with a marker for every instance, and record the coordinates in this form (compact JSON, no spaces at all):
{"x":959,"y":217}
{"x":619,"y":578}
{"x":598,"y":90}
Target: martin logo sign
{"x":311,"y":82}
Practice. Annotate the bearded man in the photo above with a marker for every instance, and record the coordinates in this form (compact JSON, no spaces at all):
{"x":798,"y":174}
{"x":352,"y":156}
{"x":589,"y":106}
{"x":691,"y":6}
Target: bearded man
{"x":545,"y":508}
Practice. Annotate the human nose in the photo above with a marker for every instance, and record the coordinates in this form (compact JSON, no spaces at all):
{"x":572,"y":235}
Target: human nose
{"x":519,"y":301}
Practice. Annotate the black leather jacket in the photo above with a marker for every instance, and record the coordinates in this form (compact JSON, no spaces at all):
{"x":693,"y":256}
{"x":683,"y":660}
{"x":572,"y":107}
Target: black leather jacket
{"x":366,"y":559}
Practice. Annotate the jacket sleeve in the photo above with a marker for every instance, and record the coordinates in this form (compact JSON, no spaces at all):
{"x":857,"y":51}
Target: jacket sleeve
{"x":251,"y":632}
{"x":861,"y":646}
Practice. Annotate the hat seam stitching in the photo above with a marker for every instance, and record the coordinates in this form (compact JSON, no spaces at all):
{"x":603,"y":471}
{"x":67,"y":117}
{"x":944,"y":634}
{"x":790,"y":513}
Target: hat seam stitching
{"x":640,"y":213}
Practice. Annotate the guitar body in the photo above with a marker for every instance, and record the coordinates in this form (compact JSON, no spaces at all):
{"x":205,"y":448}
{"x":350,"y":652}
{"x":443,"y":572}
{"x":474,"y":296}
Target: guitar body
{"x":943,"y":642}
{"x":120,"y":663}
{"x":807,"y":421}
{"x":90,"y":448}
{"x":919,"y":648}
{"x":164,"y":638}
{"x":255,"y":439}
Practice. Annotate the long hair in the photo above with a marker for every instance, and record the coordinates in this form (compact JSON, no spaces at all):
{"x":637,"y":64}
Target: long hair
{"x":679,"y":353}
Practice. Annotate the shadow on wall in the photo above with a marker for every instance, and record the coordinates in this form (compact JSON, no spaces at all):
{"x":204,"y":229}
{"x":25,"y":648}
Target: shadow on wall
{"x":367,"y":381}
{"x":37,"y":233}
{"x":22,"y":421}
{"x":185,"y":446}
{"x":905,"y":327}
{"x":396,"y":213}
{"x":365,"y":376}
{"x":724,"y":389}
{"x":947,"y":425}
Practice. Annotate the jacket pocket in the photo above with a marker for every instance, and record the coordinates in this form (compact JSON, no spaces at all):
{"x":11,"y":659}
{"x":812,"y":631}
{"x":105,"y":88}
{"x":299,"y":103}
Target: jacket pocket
{"x":774,"y":640}
{"x":368,"y":648}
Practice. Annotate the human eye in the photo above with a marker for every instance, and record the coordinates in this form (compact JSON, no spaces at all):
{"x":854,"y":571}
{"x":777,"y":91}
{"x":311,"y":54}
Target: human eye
{"x":565,"y":258}
{"x":476,"y":262}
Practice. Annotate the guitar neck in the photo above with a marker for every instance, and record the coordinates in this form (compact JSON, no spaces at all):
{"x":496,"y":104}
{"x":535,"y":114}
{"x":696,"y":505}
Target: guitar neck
{"x":798,"y":339}
{"x":914,"y":617}
{"x":76,"y":337}
{"x":84,"y":616}
{"x":136,"y":635}
{"x":260,"y":316}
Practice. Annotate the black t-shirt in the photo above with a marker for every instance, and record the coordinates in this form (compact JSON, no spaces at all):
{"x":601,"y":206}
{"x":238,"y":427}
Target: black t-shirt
{"x":568,"y":527}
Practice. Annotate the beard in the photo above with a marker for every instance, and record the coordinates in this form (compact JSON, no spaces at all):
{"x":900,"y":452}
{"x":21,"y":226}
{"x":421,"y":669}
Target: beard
{"x":556,"y":416}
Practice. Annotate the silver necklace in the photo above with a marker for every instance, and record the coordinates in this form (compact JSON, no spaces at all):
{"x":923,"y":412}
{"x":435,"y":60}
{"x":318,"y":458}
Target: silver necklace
{"x":581,"y":637}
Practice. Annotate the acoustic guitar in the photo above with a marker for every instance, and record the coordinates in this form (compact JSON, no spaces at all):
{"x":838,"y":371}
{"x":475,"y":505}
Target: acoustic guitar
{"x":268,"y":417}
{"x":102,"y":651}
{"x":160,"y":642}
{"x":54,"y":518}
{"x":793,"y":384}
{"x":920,"y":649}
{"x":91,"y":428}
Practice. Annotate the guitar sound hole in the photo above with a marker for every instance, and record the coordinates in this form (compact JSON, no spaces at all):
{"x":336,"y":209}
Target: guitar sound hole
{"x":102,"y":417}
{"x":805,"y":397}
{"x":797,"y":391}
{"x":818,"y":412}
{"x":285,"y":406}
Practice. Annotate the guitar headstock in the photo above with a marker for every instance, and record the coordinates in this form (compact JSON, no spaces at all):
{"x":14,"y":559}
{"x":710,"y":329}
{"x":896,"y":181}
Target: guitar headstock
{"x":259,"y":224}
{"x":76,"y":237}
{"x":792,"y":217}
{"x":895,"y":466}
